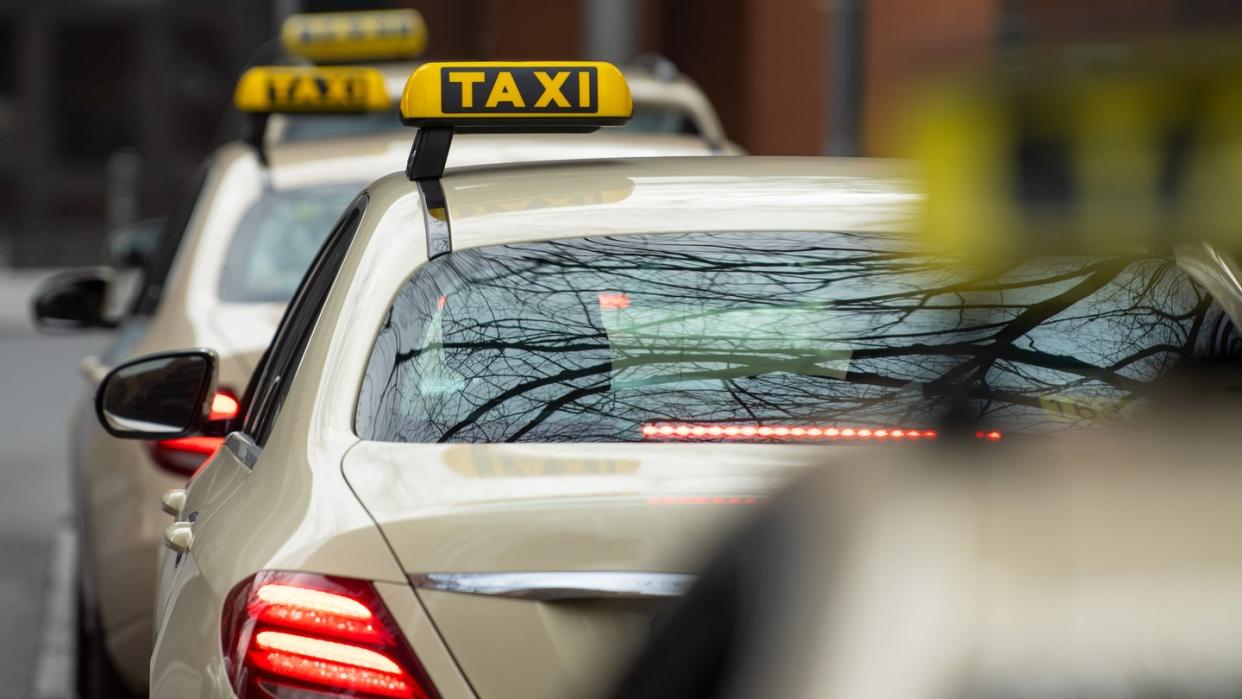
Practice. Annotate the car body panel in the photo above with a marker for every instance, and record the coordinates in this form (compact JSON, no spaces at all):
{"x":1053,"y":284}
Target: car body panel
{"x":557,"y":650}
{"x":628,"y":508}
{"x":507,"y":507}
{"x":243,"y":332}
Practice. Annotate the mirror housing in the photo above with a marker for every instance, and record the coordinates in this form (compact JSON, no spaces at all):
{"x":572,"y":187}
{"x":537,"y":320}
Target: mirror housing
{"x":76,"y":299}
{"x":158,"y":396}
{"x":132,"y":246}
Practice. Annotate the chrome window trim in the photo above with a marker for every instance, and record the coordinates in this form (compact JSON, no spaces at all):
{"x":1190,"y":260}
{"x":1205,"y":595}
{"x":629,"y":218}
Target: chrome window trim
{"x":552,"y":586}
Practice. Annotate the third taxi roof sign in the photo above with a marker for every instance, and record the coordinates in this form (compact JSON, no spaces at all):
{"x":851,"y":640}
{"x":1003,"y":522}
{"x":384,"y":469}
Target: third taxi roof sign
{"x":334,"y":37}
{"x":1141,"y":152}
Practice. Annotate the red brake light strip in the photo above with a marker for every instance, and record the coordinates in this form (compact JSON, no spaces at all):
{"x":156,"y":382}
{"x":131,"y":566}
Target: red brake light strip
{"x":682,"y":430}
{"x":675,"y":431}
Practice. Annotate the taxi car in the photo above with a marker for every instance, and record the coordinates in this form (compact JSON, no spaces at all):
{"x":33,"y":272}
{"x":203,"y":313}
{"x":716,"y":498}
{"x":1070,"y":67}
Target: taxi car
{"x":509,"y":407}
{"x":239,"y":242}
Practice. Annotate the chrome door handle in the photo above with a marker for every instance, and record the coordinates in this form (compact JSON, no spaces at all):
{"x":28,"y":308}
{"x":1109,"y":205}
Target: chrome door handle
{"x":178,"y":536}
{"x":173,"y":501}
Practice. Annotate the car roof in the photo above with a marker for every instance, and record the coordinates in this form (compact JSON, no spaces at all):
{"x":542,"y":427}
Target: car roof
{"x":546,"y":201}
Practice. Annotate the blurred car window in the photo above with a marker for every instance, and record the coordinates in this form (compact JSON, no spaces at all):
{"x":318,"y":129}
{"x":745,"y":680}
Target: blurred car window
{"x":277,"y":239}
{"x":160,"y":263}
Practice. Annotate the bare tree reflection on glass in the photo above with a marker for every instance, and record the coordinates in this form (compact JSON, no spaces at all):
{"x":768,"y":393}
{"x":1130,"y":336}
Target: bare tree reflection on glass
{"x":587,"y":339}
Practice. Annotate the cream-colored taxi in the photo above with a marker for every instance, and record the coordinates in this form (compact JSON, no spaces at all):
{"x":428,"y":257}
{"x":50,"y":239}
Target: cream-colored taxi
{"x":236,"y":246}
{"x":509,"y":408}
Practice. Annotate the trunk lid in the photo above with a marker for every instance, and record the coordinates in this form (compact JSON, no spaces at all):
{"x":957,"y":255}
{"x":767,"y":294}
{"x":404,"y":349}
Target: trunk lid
{"x":543,"y":566}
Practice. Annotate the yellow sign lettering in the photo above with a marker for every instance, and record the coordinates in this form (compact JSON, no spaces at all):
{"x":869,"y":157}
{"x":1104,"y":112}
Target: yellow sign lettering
{"x":504,"y":90}
{"x":552,"y":86}
{"x":304,"y":90}
{"x":467,"y":80}
{"x":584,"y":89}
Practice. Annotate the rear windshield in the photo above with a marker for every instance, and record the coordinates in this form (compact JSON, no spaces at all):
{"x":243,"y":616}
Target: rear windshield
{"x":607,"y":339}
{"x":277,"y":239}
{"x":310,"y":127}
{"x":659,"y":119}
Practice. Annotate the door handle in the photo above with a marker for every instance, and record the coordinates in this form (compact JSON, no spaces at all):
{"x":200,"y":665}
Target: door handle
{"x":173,"y":501}
{"x":178,"y":536}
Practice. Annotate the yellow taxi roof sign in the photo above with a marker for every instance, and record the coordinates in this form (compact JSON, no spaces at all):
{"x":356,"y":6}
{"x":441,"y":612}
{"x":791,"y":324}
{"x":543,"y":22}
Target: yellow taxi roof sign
{"x":541,"y":96}
{"x":1140,"y":152}
{"x":305,"y":89}
{"x":335,"y":37}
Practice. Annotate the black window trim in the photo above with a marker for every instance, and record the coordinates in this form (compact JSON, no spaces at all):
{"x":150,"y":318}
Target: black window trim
{"x":269,"y":386}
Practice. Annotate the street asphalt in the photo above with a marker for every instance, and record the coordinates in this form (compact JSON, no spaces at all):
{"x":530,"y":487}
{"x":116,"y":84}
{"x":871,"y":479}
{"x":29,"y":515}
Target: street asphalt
{"x":39,"y":381}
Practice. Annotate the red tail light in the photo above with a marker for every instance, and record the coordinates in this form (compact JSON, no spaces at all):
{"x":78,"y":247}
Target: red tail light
{"x":184,"y":456}
{"x":682,"y":431}
{"x":694,"y":432}
{"x":293,"y":635}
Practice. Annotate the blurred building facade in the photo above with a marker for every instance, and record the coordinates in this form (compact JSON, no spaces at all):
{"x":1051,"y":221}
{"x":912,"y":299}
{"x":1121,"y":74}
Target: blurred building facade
{"x":99,"y":92}
{"x":106,"y":106}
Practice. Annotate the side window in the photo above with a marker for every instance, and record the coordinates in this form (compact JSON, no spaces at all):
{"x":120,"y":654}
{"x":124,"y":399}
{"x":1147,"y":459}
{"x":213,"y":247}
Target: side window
{"x":158,"y":267}
{"x":270,"y":383}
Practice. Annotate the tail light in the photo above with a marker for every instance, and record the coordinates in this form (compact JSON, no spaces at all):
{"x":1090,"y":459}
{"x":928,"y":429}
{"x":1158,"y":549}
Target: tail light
{"x":686,"y":431}
{"x":695,"y":432}
{"x":184,"y":456}
{"x":296,"y":635}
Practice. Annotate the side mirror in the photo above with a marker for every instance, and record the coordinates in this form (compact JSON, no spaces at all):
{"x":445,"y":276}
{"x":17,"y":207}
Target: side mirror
{"x":131,"y":247}
{"x":159,"y":396}
{"x":73,"y":299}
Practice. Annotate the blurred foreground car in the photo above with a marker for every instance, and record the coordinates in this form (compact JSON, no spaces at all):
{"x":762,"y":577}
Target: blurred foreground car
{"x":237,"y":245}
{"x":509,"y":407}
{"x":1075,"y":568}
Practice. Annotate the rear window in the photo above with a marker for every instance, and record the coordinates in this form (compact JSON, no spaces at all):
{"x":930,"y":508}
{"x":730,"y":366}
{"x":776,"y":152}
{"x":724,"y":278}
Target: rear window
{"x":661,"y":119}
{"x":596,"y":339}
{"x":311,"y":127}
{"x":277,"y":239}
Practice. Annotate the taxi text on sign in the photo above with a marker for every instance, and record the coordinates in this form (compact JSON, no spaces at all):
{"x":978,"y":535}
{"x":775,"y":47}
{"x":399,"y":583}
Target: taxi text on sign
{"x":296,"y":89}
{"x":562,"y":89}
{"x":555,"y":93}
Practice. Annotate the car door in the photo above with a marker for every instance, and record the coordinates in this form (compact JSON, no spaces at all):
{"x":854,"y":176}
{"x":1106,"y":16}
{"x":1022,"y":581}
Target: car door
{"x":227,"y":470}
